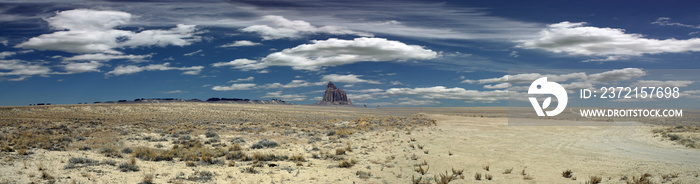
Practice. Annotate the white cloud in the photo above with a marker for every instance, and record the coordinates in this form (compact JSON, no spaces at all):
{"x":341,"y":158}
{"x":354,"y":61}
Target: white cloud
{"x":193,"y":53}
{"x":498,"y":86}
{"x":174,"y":91}
{"x":22,"y":69}
{"x":514,"y":54}
{"x":350,"y":78}
{"x":527,"y":78}
{"x":577,"y":39}
{"x":241,"y":43}
{"x":666,"y":21}
{"x":293,"y":84}
{"x":414,"y":102}
{"x":617,"y":75}
{"x":609,"y":58}
{"x":658,"y":83}
{"x":130,"y":69}
{"x":242,"y":80}
{"x":375,"y":90}
{"x":91,"y":66}
{"x":232,"y":87}
{"x":333,"y":52}
{"x":242,"y":64}
{"x":285,"y":97}
{"x":107,"y":57}
{"x":318,"y":98}
{"x":360,"y":97}
{"x":5,"y":54}
{"x":441,"y":92}
{"x":93,"y":31}
{"x":279,"y":27}
{"x":396,"y":83}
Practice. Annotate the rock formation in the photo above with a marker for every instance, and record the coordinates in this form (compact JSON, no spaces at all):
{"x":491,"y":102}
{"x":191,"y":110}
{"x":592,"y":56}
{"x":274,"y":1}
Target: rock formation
{"x":334,"y":96}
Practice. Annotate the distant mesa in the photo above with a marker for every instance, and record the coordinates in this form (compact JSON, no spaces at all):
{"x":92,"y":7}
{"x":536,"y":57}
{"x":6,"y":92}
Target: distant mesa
{"x":334,"y":96}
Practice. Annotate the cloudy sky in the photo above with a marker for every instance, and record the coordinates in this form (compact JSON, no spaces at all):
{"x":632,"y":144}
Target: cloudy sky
{"x":389,"y":53}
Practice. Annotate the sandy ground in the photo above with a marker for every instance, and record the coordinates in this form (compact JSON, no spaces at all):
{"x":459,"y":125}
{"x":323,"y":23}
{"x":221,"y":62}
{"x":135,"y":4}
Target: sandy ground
{"x":460,"y":140}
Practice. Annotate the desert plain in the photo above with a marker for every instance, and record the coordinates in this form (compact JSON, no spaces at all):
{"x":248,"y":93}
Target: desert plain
{"x":245,"y":143}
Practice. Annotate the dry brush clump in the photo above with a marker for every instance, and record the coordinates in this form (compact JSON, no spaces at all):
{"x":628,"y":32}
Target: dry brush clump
{"x":567,"y":173}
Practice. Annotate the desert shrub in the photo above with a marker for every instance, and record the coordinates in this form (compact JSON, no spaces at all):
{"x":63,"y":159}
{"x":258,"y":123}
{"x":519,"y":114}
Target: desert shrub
{"x":127,"y":151}
{"x":211,"y":133}
{"x":236,"y":155}
{"x":444,"y":178}
{"x":643,"y":179}
{"x":147,"y":179}
{"x":111,"y":152}
{"x":347,"y":164}
{"x":109,"y":162}
{"x":204,"y":176}
{"x":126,"y":167}
{"x":421,"y":170}
{"x":46,"y":176}
{"x":250,"y":170}
{"x":488,"y":176}
{"x":594,"y":180}
{"x":567,"y":173}
{"x":22,"y":152}
{"x":297,"y":158}
{"x":340,"y":151}
{"x":363,"y":174}
{"x":477,"y":176}
{"x":73,"y":162}
{"x":264,"y":144}
{"x":343,"y":133}
{"x":152,"y":154}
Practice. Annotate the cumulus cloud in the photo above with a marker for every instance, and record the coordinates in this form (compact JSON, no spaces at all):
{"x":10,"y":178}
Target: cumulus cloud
{"x":374,"y":90}
{"x":333,"y":52}
{"x":233,"y":87}
{"x":456,"y":93}
{"x":22,"y":69}
{"x":107,"y":57}
{"x":242,"y":80}
{"x":414,"y":102}
{"x":527,"y":78}
{"x":94,"y":31}
{"x":292,"y":84}
{"x":91,"y":66}
{"x":241,"y":43}
{"x":658,"y":83}
{"x":360,"y":97}
{"x":578,"y":39}
{"x":350,"y":78}
{"x":498,"y":86}
{"x":5,"y":54}
{"x":285,"y":97}
{"x":617,"y":75}
{"x":174,"y":91}
{"x":130,"y":69}
{"x":242,"y":64}
{"x":279,"y":27}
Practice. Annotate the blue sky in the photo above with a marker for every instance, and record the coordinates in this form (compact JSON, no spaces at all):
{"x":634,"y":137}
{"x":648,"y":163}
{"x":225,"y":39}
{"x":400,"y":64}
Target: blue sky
{"x":389,"y":53}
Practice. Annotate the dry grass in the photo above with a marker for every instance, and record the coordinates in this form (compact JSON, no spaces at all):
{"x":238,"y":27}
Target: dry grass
{"x":594,"y":180}
{"x":508,"y":171}
{"x":421,"y":170}
{"x":347,"y":164}
{"x":444,"y":178}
